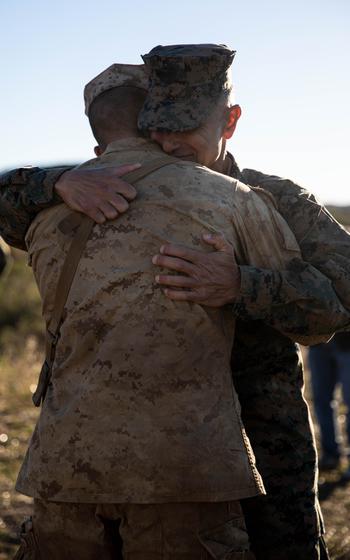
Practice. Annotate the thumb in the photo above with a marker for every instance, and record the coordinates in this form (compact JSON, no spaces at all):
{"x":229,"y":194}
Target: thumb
{"x":218,"y":241}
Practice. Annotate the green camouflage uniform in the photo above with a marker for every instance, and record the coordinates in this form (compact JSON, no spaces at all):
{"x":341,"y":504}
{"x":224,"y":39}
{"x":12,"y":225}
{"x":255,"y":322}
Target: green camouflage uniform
{"x":268,"y":372}
{"x":170,"y":429}
{"x":266,"y":366}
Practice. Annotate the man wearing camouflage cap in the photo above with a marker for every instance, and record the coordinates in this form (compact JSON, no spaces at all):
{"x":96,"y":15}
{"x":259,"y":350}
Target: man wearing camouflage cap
{"x":274,"y":315}
{"x":286,"y":523}
{"x":140,"y":432}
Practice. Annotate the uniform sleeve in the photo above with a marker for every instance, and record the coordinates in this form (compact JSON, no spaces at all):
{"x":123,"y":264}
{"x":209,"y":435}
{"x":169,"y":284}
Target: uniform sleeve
{"x":23,"y":193}
{"x":311,"y":295}
{"x":271,"y":266}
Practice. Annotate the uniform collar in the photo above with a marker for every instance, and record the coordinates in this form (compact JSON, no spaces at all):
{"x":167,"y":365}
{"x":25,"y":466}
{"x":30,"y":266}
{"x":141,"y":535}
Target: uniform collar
{"x":132,"y":143}
{"x":233,"y":170}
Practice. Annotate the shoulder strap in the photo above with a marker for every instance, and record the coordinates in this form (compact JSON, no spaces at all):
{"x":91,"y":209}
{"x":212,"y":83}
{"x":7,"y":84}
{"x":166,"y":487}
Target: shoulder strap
{"x":67,"y":275}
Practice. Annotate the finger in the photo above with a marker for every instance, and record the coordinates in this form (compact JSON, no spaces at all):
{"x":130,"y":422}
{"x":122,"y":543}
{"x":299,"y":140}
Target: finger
{"x":119,"y":202}
{"x":124,"y":188}
{"x":182,"y":252}
{"x":219,"y":242}
{"x":181,"y":295}
{"x":116,"y":185}
{"x":109,"y":211}
{"x":178,"y":265}
{"x":176,"y":281}
{"x":96,"y":215}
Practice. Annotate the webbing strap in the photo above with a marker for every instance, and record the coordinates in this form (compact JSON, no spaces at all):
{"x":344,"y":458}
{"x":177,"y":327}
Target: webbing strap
{"x":67,"y":275}
{"x":79,"y":242}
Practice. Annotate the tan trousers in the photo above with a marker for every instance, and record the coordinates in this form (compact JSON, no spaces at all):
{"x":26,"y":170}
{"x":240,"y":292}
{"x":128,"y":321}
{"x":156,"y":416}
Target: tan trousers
{"x":190,"y":531}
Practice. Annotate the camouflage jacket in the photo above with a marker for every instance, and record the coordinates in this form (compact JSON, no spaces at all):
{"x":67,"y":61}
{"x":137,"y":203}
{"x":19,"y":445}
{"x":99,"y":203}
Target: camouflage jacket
{"x":141,"y":408}
{"x":321,"y":280}
{"x":311,"y":297}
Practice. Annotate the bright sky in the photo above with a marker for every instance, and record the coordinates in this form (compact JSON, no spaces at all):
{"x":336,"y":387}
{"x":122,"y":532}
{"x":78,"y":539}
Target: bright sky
{"x":291,"y":73}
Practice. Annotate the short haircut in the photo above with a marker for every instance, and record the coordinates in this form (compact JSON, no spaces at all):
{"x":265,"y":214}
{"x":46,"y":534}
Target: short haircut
{"x":115,"y":111}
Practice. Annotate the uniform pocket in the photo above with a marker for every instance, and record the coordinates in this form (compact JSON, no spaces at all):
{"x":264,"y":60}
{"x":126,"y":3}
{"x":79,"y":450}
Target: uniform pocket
{"x":228,"y":541}
{"x":28,"y":549}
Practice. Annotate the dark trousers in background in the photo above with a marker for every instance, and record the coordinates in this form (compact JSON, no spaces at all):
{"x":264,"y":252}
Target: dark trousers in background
{"x":330,"y":366}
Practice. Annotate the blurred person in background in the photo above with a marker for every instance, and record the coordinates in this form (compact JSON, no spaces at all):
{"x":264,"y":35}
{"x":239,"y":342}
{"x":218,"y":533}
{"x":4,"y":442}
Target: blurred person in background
{"x":330,"y":368}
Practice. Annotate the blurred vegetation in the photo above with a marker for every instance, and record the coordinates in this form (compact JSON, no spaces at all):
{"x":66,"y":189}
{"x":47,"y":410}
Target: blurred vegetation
{"x":20,"y":306}
{"x":21,"y":353}
{"x":341,"y":214}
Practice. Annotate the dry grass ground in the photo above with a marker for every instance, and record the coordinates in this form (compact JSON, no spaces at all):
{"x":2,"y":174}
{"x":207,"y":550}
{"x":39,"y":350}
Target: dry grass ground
{"x":21,"y":351}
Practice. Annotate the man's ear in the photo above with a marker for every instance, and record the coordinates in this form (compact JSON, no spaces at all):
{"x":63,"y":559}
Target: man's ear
{"x":233,"y":115}
{"x":98,"y":151}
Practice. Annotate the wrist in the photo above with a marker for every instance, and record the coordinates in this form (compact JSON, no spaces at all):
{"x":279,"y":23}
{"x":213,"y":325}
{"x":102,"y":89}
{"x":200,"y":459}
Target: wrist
{"x":60,"y":187}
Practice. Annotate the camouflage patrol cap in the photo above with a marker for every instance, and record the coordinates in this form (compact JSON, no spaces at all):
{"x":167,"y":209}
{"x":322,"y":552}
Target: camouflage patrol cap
{"x":185,"y":83}
{"x":116,"y":75}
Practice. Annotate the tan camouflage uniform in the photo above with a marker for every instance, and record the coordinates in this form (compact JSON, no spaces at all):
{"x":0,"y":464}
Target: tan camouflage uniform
{"x":115,"y":309}
{"x":65,"y":531}
{"x":141,"y":408}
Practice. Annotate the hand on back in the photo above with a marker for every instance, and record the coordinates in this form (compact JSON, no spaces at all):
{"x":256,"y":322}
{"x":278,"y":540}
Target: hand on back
{"x":211,"y":279}
{"x":100,"y":193}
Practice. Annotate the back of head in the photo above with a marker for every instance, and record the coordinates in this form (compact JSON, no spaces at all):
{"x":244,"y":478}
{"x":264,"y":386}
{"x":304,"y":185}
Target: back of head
{"x":113,"y":114}
{"x":113,"y":100}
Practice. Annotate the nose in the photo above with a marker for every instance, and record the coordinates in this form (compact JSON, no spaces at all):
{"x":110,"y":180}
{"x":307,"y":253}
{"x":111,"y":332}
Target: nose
{"x":165,"y":140}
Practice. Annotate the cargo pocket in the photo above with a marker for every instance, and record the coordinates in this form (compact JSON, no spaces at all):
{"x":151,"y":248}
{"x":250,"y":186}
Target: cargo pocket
{"x":228,"y":541}
{"x":28,"y":549}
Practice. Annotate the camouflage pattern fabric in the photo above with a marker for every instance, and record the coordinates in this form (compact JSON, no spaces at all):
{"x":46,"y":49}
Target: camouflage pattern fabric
{"x":141,"y":409}
{"x":185,"y":84}
{"x":136,"y":532}
{"x":268,"y":376}
{"x":276,"y":417}
{"x":23,"y":193}
{"x":325,"y":270}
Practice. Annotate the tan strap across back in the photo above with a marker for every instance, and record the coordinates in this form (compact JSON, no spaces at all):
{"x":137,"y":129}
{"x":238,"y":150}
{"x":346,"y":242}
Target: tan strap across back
{"x":67,"y":275}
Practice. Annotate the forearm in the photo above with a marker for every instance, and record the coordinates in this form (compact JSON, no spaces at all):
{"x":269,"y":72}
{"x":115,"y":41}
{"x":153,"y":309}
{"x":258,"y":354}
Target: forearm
{"x":325,"y":248}
{"x":23,"y":193}
{"x":287,"y":301}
